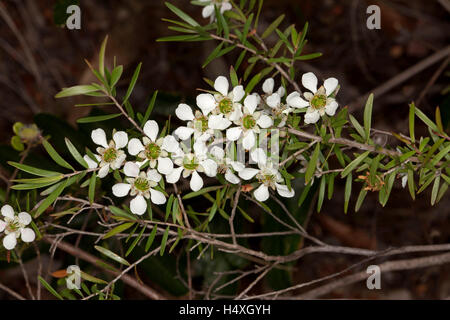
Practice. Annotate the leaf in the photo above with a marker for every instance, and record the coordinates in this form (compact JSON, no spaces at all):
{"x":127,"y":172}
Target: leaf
{"x":150,"y":107}
{"x":434,"y":191}
{"x":357,"y":126}
{"x":311,"y":169}
{"x":118,"y":229}
{"x":50,"y":199}
{"x":271,"y":28}
{"x":200,"y":192}
{"x":32,"y":170}
{"x":76,"y":90}
{"x":182,"y":15}
{"x":368,"y":116}
{"x":121,"y":213}
{"x":49,"y":288}
{"x":151,"y":237}
{"x":425,"y":119}
{"x":136,"y":240}
{"x":91,"y":191}
{"x":411,"y":186}
{"x":92,"y":279}
{"x":411,"y":122}
{"x":214,"y":54}
{"x":309,"y":56}
{"x":132,"y":83}
{"x":359,"y":201}
{"x":321,"y":193}
{"x":352,"y":165}
{"x":55,"y":156}
{"x":112,"y":255}
{"x":164,"y":241}
{"x":253,"y":82}
{"x":98,"y":118}
{"x":75,"y":154}
{"x":101,"y":57}
{"x":115,"y":75}
{"x":348,"y":192}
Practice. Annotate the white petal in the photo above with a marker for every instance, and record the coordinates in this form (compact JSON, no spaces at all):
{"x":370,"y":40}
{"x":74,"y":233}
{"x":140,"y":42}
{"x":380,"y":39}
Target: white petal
{"x":218,"y":122}
{"x":312,"y":117}
{"x":248,"y":173}
{"x":170,"y":144}
{"x":330,"y":85}
{"x":118,"y":162}
{"x":231,"y":177}
{"x":99,"y":137}
{"x":91,"y":163}
{"x":151,"y":129}
{"x":237,"y":166}
{"x":165,"y":165}
{"x":184,"y":112}
{"x":225,"y":7}
{"x":249,"y":140}
{"x":153,"y":175}
{"x":262,"y":193}
{"x":121,"y":189}
{"x":10,"y":241}
{"x":330,"y":109}
{"x":207,"y":11}
{"x":103,"y":172}
{"x":135,"y":146}
{"x":283,"y":191}
{"x":8,"y":211}
{"x":268,"y":85}
{"x":273,"y":100}
{"x":138,"y":205}
{"x":238,"y":93}
{"x":264,"y":121}
{"x":27,"y":235}
{"x":174,"y":176}
{"x":206,"y":102}
{"x":309,"y":81}
{"x":251,"y":102}
{"x":121,"y":139}
{"x":259,"y":156}
{"x":234,"y":133}
{"x":297,"y":102}
{"x":183,"y":132}
{"x":196,"y":182}
{"x":281,"y":91}
{"x":404,"y":180}
{"x":217,"y":152}
{"x":157,"y":197}
{"x":2,"y":225}
{"x":24,"y":218}
{"x":200,"y":148}
{"x":221,"y":85}
{"x":210,"y":167}
{"x":236,"y":114}
{"x":131,"y":169}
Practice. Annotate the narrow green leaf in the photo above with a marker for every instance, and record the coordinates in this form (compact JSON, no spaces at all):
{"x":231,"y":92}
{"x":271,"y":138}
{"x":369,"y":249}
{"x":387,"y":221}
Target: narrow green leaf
{"x":98,"y":118}
{"x":115,"y":75}
{"x":348,"y":191}
{"x":271,"y":28}
{"x":91,"y":191}
{"x":118,"y":229}
{"x":49,"y":288}
{"x":50,"y":199}
{"x":101,"y":57}
{"x":164,"y":241}
{"x":150,"y":107}
{"x":112,"y":255}
{"x":55,"y":155}
{"x":434,"y":191}
{"x":134,"y":243}
{"x":76,"y":90}
{"x":352,"y":165}
{"x":182,"y":15}
{"x":312,"y":164}
{"x":425,"y":119}
{"x":411,"y":122}
{"x":132,"y":83}
{"x":368,"y":116}
{"x":32,"y":170}
{"x":75,"y":154}
{"x":151,"y":237}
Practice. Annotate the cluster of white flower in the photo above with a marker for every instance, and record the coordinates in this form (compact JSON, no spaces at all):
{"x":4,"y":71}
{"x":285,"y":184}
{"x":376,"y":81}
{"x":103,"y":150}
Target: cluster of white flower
{"x":234,"y":114}
{"x":14,"y":226}
{"x":209,"y":8}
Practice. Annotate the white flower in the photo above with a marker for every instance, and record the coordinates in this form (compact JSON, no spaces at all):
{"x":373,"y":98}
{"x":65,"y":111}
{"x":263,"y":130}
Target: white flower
{"x":14,"y":226}
{"x":320,"y":100}
{"x":208,"y":10}
{"x":191,"y":164}
{"x":226,"y":165}
{"x":267,"y":175}
{"x":224,"y":104}
{"x":139,"y":184}
{"x":109,"y":155}
{"x":250,"y":123}
{"x":197,"y":124}
{"x":153,"y":149}
{"x":279,"y":110}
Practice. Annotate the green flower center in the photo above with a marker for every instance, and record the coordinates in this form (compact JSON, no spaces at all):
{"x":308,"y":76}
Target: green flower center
{"x":225,"y":105}
{"x":319,"y":101}
{"x":152,"y":151}
{"x":141,"y":184}
{"x":110,"y":155}
{"x":201,"y":123}
{"x":190,"y":164}
{"x":248,"y":122}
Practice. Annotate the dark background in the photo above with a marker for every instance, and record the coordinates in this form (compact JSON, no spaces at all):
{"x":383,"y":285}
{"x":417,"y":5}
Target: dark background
{"x":38,"y":58}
